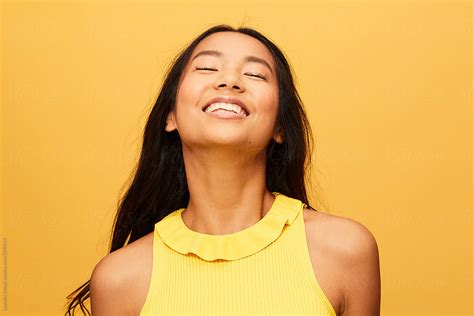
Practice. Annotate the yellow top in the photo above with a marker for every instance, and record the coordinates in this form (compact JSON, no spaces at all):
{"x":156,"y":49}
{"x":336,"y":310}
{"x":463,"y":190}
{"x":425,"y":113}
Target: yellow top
{"x":264,"y":269}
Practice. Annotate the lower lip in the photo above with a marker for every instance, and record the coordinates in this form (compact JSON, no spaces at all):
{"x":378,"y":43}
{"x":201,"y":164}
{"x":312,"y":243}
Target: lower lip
{"x":224,"y":114}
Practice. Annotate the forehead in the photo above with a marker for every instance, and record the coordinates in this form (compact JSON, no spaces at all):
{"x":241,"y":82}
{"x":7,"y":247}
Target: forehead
{"x":234,"y":45}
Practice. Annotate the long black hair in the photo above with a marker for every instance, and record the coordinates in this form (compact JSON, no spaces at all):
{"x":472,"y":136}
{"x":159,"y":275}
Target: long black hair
{"x":158,"y":184}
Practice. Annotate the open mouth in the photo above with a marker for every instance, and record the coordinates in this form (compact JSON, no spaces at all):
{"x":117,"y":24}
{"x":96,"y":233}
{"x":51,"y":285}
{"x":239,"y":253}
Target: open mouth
{"x":222,"y":107}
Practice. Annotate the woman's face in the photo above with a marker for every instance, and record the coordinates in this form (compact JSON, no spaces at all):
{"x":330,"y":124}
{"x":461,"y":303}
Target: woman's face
{"x":229,"y":72}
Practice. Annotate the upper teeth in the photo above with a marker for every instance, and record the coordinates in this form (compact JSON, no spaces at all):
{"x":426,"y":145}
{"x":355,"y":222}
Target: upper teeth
{"x":226,"y":106}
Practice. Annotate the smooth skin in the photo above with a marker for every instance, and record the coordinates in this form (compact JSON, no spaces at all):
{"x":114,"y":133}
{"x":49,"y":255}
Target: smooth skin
{"x":225,"y":169}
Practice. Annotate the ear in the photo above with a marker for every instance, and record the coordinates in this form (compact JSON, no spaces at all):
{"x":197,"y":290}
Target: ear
{"x":171,"y":122}
{"x":278,"y":136}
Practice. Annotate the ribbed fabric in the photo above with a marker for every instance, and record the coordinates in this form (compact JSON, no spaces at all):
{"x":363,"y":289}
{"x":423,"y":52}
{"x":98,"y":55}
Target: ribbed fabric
{"x":264,"y":269}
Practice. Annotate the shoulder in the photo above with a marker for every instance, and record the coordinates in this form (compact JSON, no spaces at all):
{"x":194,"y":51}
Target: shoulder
{"x":117,"y":276}
{"x":354,"y":252}
{"x":345,"y":236}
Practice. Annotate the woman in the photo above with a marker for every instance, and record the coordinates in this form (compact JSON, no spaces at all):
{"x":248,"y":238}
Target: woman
{"x":217,"y":212}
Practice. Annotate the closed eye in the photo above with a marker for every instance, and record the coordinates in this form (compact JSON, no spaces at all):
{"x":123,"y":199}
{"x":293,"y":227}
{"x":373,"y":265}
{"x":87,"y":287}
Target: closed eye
{"x":205,"y":68}
{"x":258,"y":76}
{"x":213,"y":69}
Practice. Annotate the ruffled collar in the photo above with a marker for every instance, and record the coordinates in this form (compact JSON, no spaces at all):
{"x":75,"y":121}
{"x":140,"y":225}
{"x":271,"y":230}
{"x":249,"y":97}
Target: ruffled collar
{"x":174,"y":233}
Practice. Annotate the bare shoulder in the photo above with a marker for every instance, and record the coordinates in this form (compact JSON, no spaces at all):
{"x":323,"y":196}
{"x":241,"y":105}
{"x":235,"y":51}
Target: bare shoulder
{"x":120,"y":278}
{"x":351,"y":259}
{"x":346,"y":236}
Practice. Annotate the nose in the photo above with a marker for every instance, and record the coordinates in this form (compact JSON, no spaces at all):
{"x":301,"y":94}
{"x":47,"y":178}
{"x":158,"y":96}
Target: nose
{"x":229,"y":80}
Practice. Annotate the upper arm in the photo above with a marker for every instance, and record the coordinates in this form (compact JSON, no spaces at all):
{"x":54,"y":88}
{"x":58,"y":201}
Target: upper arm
{"x":362,"y":272}
{"x":108,"y":288}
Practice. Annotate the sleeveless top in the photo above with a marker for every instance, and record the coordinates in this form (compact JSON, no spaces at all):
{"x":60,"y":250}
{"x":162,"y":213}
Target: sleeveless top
{"x":264,"y":269}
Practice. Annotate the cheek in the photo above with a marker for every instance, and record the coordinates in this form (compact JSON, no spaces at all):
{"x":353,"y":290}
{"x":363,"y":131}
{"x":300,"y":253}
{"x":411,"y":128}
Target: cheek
{"x":269,"y":103}
{"x":187,"y":93}
{"x":188,"y":101}
{"x":266,"y":115}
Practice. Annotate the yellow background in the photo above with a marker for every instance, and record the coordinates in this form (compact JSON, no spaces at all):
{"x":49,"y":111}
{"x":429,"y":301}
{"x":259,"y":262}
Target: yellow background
{"x":388,"y":90}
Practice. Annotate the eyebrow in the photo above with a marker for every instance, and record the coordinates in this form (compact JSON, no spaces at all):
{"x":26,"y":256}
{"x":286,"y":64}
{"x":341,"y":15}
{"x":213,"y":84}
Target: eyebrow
{"x":246,"y":58}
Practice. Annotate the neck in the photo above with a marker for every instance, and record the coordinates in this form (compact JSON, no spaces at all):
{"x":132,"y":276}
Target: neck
{"x":227,"y":191}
